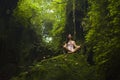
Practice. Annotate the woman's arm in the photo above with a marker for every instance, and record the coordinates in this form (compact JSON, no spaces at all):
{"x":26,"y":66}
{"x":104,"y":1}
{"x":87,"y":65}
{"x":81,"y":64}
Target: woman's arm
{"x":65,"y":45}
{"x":75,"y":44}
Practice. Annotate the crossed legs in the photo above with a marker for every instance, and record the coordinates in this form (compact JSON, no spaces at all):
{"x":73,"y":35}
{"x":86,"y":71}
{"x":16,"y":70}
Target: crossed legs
{"x":75,"y":49}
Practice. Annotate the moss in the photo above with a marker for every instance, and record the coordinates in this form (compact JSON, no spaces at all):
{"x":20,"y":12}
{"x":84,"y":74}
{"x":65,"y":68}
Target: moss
{"x":62,"y":67}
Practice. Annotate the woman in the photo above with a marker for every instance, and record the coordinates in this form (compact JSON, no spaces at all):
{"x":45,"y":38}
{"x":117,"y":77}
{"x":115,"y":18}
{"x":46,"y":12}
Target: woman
{"x":70,"y":45}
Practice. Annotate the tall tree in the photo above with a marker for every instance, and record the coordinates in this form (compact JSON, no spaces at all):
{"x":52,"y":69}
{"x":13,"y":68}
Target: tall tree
{"x":75,"y":12}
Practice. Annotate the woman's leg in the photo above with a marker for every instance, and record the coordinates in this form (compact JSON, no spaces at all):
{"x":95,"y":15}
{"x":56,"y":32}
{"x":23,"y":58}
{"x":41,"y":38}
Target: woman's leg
{"x":77,"y":48}
{"x":69,"y":51}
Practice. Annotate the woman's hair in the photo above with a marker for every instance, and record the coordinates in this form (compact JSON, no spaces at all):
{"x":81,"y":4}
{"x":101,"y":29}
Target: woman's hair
{"x":67,"y":38}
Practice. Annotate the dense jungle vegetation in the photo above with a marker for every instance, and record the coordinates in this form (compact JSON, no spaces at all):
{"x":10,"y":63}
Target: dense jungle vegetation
{"x":32,"y":34}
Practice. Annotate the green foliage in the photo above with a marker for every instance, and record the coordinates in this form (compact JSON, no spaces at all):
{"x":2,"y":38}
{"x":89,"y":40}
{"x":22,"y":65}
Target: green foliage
{"x":62,"y":67}
{"x":103,"y":36}
{"x":32,"y":30}
{"x":44,"y":21}
{"x":53,"y":22}
{"x":28,"y":13}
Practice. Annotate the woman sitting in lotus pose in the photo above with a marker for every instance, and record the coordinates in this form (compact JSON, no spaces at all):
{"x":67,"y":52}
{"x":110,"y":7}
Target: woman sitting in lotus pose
{"x":70,"y":45}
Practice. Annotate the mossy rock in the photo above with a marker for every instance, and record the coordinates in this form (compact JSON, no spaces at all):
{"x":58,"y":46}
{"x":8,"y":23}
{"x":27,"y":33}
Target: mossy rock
{"x":62,"y":67}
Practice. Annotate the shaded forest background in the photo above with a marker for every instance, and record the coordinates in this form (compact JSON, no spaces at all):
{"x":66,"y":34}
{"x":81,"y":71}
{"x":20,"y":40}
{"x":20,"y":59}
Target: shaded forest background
{"x":34,"y":30}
